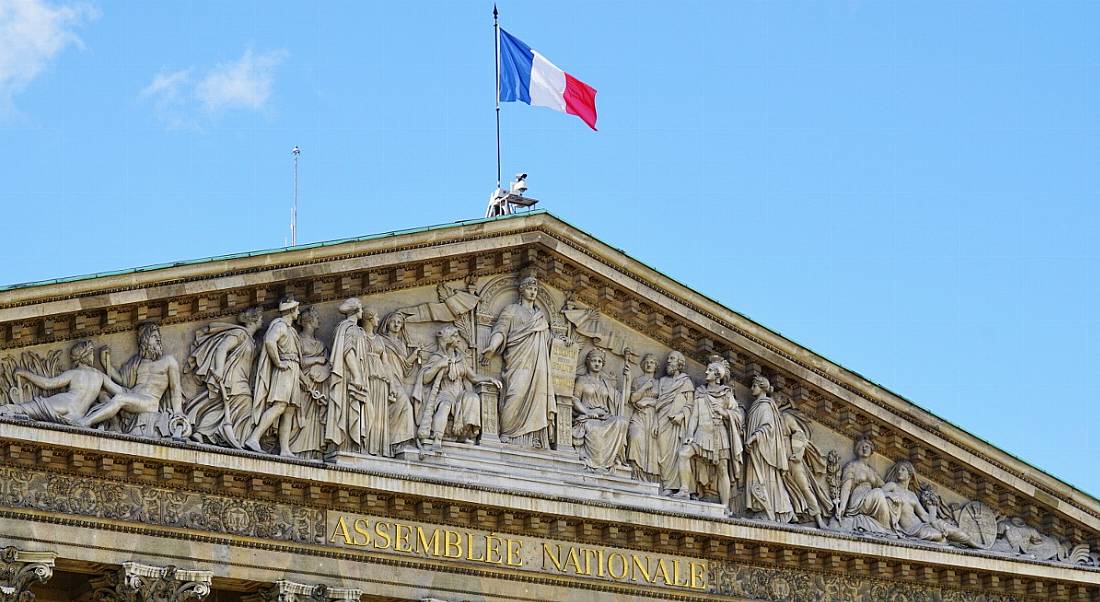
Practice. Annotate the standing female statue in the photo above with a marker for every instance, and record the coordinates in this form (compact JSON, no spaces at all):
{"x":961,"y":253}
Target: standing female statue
{"x":599,"y":429}
{"x":347,"y":390}
{"x":401,"y":358}
{"x":675,"y":393}
{"x":308,"y":440}
{"x":711,"y":457}
{"x":380,"y":384}
{"x":641,"y":436}
{"x":522,"y":332}
{"x":768,"y":444}
{"x":863,"y":505}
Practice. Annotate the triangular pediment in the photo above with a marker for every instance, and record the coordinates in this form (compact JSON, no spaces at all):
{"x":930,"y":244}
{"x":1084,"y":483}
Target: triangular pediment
{"x":466,"y":278}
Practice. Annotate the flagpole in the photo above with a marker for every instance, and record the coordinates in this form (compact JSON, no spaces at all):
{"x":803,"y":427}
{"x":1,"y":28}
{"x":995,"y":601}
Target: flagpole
{"x":496,"y":50}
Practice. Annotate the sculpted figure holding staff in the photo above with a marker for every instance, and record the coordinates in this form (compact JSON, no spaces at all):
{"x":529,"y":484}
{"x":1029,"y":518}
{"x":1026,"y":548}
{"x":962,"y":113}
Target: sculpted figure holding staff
{"x":278,"y":377}
{"x":522,"y":332}
{"x":444,"y":391}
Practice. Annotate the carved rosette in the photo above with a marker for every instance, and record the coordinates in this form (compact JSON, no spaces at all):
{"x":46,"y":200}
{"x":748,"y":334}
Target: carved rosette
{"x":20,"y":569}
{"x":144,"y":583}
{"x":290,"y":591}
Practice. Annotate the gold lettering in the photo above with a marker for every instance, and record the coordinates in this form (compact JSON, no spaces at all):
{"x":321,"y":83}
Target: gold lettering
{"x":698,"y":575}
{"x":470,"y":548}
{"x":555,"y":558}
{"x":341,"y":529}
{"x":492,"y":549}
{"x":402,"y":538}
{"x":362,"y":527}
{"x":514,"y":548}
{"x":452,"y":544}
{"x":429,"y":545}
{"x":600,"y":564}
{"x":662,"y":571}
{"x":638,"y":565}
{"x":589,"y":554}
{"x":380,"y":529}
{"x":676,"y":575}
{"x":576,"y":561}
{"x":611,"y":566}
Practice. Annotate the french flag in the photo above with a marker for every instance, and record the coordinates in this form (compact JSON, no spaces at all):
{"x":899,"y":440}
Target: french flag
{"x":526,"y":75}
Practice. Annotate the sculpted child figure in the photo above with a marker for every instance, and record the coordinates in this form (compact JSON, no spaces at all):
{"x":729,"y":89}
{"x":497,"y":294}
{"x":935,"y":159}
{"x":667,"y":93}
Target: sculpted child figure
{"x":278,"y":374}
{"x":139,"y":387}
{"x":83,"y":383}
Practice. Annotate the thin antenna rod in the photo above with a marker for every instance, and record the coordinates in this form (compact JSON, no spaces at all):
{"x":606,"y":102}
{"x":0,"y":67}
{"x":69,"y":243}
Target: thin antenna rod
{"x":496,"y":48}
{"x":294,"y":212}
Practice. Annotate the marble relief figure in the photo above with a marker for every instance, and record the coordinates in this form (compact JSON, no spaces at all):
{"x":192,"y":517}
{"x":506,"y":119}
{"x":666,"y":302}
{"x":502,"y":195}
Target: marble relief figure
{"x":379,"y":389}
{"x":641,"y":437}
{"x":403,"y":360}
{"x":276,"y":394}
{"x":522,"y":335}
{"x":862,"y":505}
{"x":82,"y":383}
{"x":145,"y":394}
{"x":347,"y":387}
{"x":711,"y":457}
{"x":444,"y":391}
{"x":675,"y":398}
{"x":221,"y":357}
{"x":599,"y":429}
{"x":806,"y":468}
{"x":309,"y":420}
{"x":767,"y":442}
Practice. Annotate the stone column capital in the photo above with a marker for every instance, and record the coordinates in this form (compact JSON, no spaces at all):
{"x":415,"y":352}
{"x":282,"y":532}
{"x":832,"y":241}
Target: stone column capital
{"x":291,"y":591}
{"x":136,"y":582}
{"x":21,"y":568}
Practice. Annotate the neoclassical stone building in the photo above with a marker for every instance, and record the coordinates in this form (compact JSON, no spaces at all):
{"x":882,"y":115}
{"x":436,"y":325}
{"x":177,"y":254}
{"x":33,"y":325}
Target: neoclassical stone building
{"x":495,"y":410}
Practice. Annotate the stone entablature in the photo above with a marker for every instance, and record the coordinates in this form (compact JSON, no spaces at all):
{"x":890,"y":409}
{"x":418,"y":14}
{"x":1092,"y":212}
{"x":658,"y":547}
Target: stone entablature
{"x":526,"y":360}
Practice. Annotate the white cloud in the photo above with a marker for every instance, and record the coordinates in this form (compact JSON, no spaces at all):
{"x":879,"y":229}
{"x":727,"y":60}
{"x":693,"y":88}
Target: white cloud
{"x":32,"y":33}
{"x":244,"y":84}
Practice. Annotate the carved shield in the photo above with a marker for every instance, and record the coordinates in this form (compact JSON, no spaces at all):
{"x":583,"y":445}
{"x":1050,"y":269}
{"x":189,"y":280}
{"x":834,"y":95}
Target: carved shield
{"x":980,"y":523}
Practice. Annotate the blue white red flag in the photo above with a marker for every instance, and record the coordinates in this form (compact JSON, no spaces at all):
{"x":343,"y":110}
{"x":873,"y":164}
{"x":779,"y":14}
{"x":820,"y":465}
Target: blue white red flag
{"x":526,"y":76}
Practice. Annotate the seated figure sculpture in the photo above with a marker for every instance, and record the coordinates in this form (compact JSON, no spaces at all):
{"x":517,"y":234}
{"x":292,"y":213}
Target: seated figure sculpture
{"x":863,"y":505}
{"x":444,"y":391}
{"x":599,"y":429}
{"x":83,"y":383}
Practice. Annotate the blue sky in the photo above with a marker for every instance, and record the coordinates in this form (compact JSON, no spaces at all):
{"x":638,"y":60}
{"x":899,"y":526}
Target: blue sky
{"x":909,"y":189}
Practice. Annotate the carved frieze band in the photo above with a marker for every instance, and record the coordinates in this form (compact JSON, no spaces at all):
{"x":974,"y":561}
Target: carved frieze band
{"x":19,"y":569}
{"x":87,"y":496}
{"x":504,"y":367}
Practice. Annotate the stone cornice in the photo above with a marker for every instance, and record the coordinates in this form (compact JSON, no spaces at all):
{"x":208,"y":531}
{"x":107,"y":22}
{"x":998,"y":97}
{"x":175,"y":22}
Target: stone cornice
{"x":847,"y":402}
{"x":126,"y":460}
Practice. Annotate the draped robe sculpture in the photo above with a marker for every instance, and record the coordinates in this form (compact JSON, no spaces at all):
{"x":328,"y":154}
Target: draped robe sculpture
{"x":675,"y":395}
{"x":444,"y":391}
{"x":599,"y":429}
{"x":768,"y":445}
{"x":309,"y":421}
{"x":221,"y":358}
{"x":808,"y":495}
{"x":523,"y":333}
{"x":347,"y":388}
{"x":402,"y":359}
{"x":641,"y":446}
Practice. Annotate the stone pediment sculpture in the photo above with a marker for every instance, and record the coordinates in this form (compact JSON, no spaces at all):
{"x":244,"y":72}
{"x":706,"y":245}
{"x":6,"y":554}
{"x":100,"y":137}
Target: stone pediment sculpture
{"x":600,"y":402}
